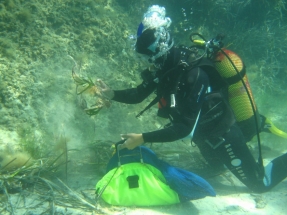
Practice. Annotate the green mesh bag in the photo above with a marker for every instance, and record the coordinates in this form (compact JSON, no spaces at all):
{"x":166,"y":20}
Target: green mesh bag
{"x":136,"y":184}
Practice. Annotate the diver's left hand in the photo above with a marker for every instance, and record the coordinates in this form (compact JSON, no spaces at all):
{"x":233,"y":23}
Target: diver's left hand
{"x":105,"y":89}
{"x":132,"y":140}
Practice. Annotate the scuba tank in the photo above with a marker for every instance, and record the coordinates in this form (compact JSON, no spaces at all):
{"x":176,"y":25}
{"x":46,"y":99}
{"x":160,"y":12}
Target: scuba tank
{"x":232,"y":69}
{"x":238,"y":97}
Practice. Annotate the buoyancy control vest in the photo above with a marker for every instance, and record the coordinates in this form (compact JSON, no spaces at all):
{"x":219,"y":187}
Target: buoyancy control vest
{"x":216,"y":115}
{"x":179,"y":65}
{"x":226,"y":80}
{"x":223,"y":80}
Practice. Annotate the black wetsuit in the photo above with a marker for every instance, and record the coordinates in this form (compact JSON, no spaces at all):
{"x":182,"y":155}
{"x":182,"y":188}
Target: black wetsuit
{"x":217,"y":135}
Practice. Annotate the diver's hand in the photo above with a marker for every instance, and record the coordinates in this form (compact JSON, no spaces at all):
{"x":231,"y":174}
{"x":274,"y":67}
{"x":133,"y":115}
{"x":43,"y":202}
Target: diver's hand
{"x":132,"y":140}
{"x":105,"y":90}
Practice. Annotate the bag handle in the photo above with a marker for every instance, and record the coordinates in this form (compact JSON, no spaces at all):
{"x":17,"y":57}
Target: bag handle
{"x":119,"y":156}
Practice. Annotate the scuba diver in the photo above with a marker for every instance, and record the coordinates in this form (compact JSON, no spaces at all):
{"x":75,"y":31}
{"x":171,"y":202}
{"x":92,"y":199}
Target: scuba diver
{"x":207,"y":98}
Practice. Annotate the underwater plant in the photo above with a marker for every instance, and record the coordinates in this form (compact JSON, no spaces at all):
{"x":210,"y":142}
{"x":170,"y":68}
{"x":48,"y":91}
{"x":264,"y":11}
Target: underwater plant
{"x":24,"y":15}
{"x":9,"y":4}
{"x":39,"y":181}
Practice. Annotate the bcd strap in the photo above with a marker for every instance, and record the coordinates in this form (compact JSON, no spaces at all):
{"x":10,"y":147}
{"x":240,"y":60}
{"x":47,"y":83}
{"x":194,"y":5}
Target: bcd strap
{"x":236,"y":78}
{"x":153,"y":102}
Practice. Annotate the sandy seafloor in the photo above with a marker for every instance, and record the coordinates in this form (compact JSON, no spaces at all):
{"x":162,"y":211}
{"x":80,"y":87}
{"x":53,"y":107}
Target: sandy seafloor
{"x":231,"y":199}
{"x":38,"y":104}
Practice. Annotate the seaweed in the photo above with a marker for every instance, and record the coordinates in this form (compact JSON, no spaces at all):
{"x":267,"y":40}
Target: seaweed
{"x":39,"y":179}
{"x":24,"y":15}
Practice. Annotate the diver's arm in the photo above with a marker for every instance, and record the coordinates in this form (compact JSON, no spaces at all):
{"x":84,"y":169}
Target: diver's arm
{"x":192,"y":98}
{"x":133,"y":140}
{"x":175,"y":132}
{"x":128,"y":96}
{"x":138,"y":94}
{"x":134,"y":95}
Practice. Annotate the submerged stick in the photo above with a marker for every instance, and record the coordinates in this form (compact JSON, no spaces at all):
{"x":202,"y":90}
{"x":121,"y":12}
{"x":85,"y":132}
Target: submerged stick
{"x":8,"y":163}
{"x":66,"y":153}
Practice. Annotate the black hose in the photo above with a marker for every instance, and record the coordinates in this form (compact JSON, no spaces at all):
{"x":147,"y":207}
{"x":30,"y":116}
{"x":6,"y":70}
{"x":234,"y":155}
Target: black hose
{"x":260,"y":159}
{"x":196,"y":34}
